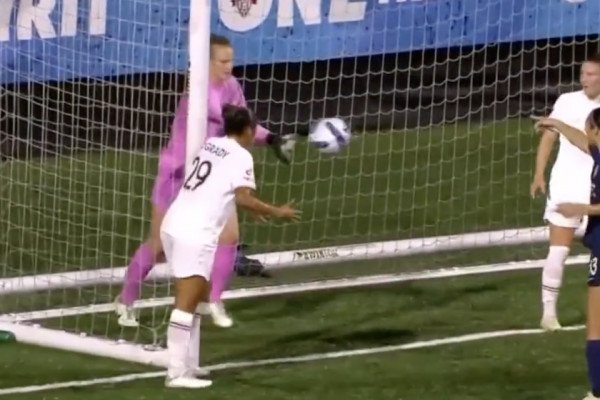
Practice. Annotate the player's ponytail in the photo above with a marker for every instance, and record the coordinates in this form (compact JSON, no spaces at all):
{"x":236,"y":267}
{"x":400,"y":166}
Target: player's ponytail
{"x":237,"y":119}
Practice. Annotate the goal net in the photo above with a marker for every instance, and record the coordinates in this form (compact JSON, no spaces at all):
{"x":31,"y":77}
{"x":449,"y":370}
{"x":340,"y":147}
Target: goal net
{"x":436,"y":176}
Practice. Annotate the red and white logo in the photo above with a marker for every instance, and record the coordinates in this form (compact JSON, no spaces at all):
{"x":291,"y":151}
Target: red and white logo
{"x":244,"y":15}
{"x":243,"y":6}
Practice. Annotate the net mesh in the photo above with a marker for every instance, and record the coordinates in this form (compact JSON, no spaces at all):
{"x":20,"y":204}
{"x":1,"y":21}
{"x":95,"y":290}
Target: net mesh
{"x":441,"y":145}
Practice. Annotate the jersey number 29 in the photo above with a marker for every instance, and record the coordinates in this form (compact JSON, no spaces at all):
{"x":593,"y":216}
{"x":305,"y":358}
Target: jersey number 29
{"x":199,"y":173}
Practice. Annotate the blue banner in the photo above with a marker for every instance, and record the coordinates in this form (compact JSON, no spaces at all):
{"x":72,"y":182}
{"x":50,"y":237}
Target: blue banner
{"x":62,"y":39}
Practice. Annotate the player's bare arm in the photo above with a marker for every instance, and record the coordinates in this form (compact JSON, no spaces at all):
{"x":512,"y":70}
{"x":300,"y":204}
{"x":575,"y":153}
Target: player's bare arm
{"x":571,"y":210}
{"x":593,"y":209}
{"x":245,"y":198}
{"x":545,"y":147}
{"x":578,"y":209}
{"x":573,"y":135}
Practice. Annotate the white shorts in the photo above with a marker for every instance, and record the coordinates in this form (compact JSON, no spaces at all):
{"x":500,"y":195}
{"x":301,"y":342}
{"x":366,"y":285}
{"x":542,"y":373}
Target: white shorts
{"x":557,"y":219}
{"x":186,"y":258}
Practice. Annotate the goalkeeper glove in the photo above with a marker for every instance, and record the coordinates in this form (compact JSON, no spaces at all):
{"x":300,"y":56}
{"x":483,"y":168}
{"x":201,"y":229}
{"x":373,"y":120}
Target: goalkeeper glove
{"x":283,"y":145}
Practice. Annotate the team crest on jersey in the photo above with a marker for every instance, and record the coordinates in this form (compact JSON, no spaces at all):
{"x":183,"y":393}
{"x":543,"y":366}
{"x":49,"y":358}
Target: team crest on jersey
{"x":243,"y":6}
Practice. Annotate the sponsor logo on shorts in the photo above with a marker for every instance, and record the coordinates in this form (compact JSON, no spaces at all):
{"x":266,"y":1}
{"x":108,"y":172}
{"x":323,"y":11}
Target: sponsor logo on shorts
{"x":316,"y":254}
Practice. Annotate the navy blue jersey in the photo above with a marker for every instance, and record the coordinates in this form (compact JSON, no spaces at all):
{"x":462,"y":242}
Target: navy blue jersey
{"x":591,"y":238}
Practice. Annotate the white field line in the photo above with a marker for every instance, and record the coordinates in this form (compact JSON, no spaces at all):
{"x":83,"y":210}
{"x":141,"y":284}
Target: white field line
{"x":290,"y":360}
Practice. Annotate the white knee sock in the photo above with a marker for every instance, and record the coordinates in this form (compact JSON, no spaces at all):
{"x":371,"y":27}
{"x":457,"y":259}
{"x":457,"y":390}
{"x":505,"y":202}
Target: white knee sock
{"x":193,"y":357}
{"x":552,"y":278}
{"x":178,"y":342}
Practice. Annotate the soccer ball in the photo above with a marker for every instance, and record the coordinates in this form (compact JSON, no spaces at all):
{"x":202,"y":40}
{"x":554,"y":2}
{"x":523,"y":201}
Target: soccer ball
{"x":329,"y":135}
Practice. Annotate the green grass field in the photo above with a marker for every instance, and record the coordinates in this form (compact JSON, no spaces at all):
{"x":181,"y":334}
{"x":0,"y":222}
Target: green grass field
{"x":548,"y":366}
{"x":92,"y":209}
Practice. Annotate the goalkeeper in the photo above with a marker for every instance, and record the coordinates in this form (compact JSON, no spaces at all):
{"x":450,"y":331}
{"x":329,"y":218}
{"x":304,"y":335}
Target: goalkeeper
{"x":223,"y":89}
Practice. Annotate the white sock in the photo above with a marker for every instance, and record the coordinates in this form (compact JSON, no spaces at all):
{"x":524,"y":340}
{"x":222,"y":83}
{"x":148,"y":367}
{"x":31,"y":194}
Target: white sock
{"x":193,"y":357}
{"x":552,"y":278}
{"x":178,"y":341}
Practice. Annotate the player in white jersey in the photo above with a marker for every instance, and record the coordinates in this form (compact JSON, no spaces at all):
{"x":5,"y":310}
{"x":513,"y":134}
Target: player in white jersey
{"x":222,"y":177}
{"x":569,"y":182}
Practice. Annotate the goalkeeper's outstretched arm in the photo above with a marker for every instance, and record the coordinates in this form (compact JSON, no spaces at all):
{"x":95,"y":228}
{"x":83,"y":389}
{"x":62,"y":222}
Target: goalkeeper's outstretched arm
{"x":282,"y":144}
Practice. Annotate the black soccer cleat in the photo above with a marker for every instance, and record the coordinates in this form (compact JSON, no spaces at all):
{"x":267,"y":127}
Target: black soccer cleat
{"x":248,"y":267}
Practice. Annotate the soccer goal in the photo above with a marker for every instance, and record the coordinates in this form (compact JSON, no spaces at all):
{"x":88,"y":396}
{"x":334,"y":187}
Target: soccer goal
{"x":436,"y":176}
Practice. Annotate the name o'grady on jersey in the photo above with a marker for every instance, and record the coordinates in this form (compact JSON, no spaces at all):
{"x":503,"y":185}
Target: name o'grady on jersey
{"x":216,"y":150}
{"x":243,"y":6}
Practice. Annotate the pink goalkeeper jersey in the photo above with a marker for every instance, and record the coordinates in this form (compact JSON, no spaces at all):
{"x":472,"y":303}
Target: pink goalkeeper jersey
{"x":172,"y":157}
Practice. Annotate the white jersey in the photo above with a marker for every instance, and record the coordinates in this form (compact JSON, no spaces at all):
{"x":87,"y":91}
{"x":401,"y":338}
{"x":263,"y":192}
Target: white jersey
{"x":207,"y":199}
{"x":570,"y":176}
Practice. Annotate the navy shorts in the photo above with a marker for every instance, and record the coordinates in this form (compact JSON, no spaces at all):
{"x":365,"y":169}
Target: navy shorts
{"x":593,"y":273}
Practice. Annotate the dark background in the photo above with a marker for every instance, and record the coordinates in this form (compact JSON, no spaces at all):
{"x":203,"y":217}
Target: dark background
{"x":393,"y":91}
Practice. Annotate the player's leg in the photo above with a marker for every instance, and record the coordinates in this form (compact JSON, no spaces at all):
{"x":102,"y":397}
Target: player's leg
{"x":222,"y":273}
{"x":202,"y":309}
{"x":139,"y":267}
{"x":193,"y":358}
{"x":180,"y":335}
{"x":593,"y":330}
{"x":191,"y":266}
{"x":164,"y":191}
{"x":562,"y":232}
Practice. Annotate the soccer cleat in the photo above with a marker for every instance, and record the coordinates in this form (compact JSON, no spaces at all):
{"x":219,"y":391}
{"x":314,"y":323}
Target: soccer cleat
{"x":127,"y":315}
{"x":591,"y":397}
{"x":245,"y":266}
{"x":550,"y":324}
{"x":219,"y":315}
{"x":187,"y":383}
